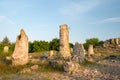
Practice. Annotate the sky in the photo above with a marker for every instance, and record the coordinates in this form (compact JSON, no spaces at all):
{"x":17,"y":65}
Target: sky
{"x":41,"y":19}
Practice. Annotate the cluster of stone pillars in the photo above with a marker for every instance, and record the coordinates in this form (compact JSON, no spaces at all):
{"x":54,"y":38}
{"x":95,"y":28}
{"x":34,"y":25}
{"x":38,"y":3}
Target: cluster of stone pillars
{"x":20,"y":54}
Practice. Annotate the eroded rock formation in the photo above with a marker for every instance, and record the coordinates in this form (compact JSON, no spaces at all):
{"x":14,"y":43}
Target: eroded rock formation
{"x":114,"y":42}
{"x":6,"y":49}
{"x":64,"y":41}
{"x":20,"y":54}
{"x":78,"y":53}
{"x":90,"y":50}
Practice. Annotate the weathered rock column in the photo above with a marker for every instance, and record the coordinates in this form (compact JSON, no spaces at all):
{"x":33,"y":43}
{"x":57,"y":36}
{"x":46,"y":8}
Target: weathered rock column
{"x":6,"y":49}
{"x":117,"y":41}
{"x":20,"y":54}
{"x":90,"y":50}
{"x":82,"y":47}
{"x":64,"y":41}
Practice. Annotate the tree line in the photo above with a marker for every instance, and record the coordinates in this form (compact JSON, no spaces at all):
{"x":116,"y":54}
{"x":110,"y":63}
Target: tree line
{"x":42,"y":45}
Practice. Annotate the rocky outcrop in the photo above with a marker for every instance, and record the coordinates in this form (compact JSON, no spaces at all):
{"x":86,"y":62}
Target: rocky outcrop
{"x":20,"y":54}
{"x":78,"y":53}
{"x":114,"y":42}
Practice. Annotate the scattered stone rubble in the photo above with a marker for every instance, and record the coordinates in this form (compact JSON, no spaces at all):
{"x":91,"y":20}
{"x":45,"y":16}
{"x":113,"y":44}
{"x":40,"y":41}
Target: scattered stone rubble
{"x":114,"y":42}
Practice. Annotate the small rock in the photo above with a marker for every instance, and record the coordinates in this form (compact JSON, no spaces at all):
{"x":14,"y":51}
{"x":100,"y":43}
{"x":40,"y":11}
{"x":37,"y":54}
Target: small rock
{"x":25,"y":70}
{"x":8,"y":58}
{"x":34,"y":67}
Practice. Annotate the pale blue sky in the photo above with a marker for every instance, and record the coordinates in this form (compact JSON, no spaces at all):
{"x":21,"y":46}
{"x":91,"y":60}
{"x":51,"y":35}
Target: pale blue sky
{"x":41,"y":19}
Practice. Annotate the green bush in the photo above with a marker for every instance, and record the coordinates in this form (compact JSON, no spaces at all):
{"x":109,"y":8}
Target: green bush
{"x":54,"y":44}
{"x":94,"y":41}
{"x":38,"y":46}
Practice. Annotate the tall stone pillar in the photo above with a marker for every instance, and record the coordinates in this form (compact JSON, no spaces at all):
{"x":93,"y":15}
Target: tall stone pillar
{"x":20,"y":54}
{"x":64,"y":41}
{"x":90,"y":50}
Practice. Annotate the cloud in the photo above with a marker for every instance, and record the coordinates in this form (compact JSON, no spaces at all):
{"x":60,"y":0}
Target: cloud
{"x":108,"y":20}
{"x":113,"y":19}
{"x":76,"y":8}
{"x":6,"y":20}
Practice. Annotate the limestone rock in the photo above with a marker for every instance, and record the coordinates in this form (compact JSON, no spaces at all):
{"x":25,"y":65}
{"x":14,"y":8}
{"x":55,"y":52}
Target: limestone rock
{"x":52,"y":54}
{"x":20,"y":54}
{"x":78,"y":53}
{"x":34,"y":67}
{"x":64,"y":41}
{"x":55,"y":63}
{"x":45,"y":55}
{"x":82,"y":48}
{"x":25,"y":70}
{"x":8,"y":58}
{"x":90,"y":50}
{"x":114,"y":42}
{"x":117,"y":41}
{"x":70,"y":67}
{"x":6,"y":49}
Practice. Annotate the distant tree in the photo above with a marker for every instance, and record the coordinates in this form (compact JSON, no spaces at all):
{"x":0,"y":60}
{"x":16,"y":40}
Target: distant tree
{"x":6,"y":40}
{"x":54,"y":44}
{"x":71,"y":45}
{"x":39,"y":46}
{"x":101,"y":43}
{"x":11,"y":47}
{"x":93,"y":41}
{"x":1,"y":47}
{"x":30,"y":47}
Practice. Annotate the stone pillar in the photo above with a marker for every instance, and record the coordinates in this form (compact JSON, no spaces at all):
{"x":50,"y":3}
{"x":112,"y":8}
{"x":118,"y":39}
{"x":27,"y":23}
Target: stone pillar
{"x":82,"y":48}
{"x":6,"y":49}
{"x":64,"y":41}
{"x":51,"y":53}
{"x":20,"y":54}
{"x":90,"y":50}
{"x":117,"y":41}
